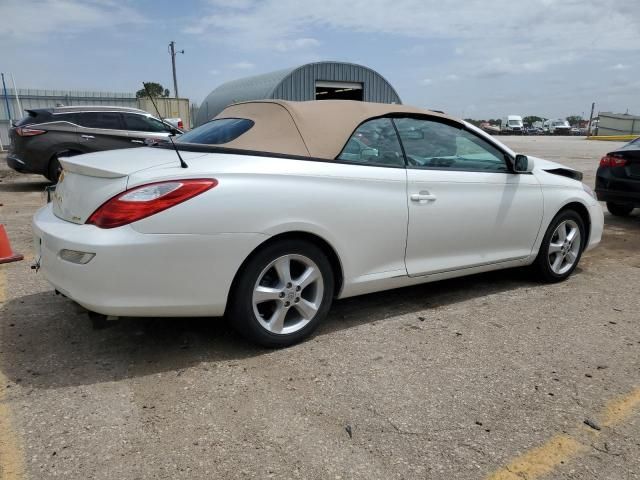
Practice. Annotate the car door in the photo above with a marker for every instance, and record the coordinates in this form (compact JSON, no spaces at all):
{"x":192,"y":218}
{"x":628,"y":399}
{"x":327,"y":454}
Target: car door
{"x":143,"y":127}
{"x":466,"y":207}
{"x":101,"y":131}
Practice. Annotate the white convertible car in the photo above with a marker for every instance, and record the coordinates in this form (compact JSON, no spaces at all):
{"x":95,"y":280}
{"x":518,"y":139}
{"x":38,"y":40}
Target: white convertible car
{"x":276,"y":208}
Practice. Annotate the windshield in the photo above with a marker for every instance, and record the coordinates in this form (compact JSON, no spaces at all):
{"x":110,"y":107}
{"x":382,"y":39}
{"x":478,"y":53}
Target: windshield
{"x":217,"y":132}
{"x":514,"y":122}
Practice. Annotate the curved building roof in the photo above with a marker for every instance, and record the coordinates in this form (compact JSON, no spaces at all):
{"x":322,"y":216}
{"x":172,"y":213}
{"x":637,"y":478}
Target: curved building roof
{"x":298,"y":84}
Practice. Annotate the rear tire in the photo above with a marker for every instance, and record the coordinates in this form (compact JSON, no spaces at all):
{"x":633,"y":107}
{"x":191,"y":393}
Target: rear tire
{"x":620,"y":209}
{"x":282,"y":294}
{"x":561,"y":247}
{"x":53,"y":173}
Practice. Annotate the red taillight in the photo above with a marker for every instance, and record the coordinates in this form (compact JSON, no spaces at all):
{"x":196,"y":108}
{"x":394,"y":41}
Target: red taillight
{"x":146,"y":200}
{"x":29,"y":132}
{"x":612,"y":161}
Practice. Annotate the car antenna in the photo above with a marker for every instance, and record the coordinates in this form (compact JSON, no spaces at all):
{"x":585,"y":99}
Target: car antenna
{"x":183,"y":164}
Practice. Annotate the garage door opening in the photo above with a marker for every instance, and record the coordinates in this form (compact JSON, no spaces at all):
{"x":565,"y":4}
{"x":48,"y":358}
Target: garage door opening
{"x":339,"y":91}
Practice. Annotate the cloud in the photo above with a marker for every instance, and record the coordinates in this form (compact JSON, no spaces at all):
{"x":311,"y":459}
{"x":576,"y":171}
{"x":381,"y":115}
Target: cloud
{"x":452,"y":77}
{"x":620,"y":66}
{"x":296,"y":44}
{"x":567,"y":21}
{"x":242,"y":66}
{"x":39,"y":19}
{"x":426,"y":81}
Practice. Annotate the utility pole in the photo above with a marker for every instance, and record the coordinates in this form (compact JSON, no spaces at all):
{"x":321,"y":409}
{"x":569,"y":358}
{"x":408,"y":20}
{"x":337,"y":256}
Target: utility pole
{"x":15,"y":92}
{"x":593,"y":106}
{"x":6,"y":99}
{"x":173,"y":53}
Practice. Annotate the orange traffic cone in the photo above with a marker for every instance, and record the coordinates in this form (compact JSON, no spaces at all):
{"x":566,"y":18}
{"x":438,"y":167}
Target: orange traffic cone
{"x":6,"y":254}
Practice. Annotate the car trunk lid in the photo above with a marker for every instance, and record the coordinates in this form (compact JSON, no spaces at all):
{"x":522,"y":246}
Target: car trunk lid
{"x":90,"y":180}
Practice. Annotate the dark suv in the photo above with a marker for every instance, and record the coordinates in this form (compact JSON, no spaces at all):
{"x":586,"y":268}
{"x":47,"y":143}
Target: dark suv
{"x":39,"y":139}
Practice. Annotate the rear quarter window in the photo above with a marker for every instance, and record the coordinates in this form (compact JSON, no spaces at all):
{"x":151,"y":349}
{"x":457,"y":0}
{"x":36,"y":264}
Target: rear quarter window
{"x":217,"y":132}
{"x":33,"y":117}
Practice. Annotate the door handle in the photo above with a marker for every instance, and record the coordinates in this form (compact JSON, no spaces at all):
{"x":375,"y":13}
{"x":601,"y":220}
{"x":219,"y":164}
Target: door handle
{"x":423,"y":197}
{"x":88,"y":137}
{"x":137,"y":141}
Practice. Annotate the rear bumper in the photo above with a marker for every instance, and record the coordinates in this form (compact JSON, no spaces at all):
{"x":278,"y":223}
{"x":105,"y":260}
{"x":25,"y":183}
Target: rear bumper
{"x":16,"y":164}
{"x":617,"y":196}
{"x":21,"y":165}
{"x":621,"y":189}
{"x":136,"y":274}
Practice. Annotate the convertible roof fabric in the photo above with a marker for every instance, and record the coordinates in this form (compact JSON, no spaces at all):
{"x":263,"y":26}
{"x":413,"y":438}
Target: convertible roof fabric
{"x":317,"y":129}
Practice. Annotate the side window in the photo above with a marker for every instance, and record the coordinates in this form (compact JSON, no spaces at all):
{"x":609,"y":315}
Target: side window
{"x":431,"y":144}
{"x":66,"y":117}
{"x":106,"y":120}
{"x":374,"y":143}
{"x":143,"y":123}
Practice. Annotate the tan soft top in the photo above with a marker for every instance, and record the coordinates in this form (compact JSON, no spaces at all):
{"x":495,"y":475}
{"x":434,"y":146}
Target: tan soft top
{"x":318,"y":128}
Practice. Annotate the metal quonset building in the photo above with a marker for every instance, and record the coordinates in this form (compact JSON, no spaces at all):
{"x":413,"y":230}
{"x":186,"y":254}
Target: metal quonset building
{"x":312,"y":81}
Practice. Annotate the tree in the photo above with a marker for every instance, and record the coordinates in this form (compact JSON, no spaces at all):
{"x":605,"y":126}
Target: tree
{"x":574,"y":120}
{"x":155,"y":89}
{"x":531,"y":119}
{"x":473,"y":122}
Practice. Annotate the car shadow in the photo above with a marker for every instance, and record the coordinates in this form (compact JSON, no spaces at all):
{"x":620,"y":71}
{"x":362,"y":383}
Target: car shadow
{"x":48,"y":342}
{"x":630,"y":222}
{"x":31,"y":186}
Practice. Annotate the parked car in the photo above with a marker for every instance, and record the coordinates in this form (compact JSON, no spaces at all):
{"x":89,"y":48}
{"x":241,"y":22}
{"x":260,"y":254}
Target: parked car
{"x":618,"y":179}
{"x":39,"y":140}
{"x":175,"y":122}
{"x":271,"y":219}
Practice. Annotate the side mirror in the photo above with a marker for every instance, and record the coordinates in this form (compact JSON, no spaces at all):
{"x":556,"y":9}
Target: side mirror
{"x":522,"y":164}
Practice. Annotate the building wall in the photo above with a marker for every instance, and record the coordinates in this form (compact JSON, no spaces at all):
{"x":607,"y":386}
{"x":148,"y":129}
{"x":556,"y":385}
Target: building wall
{"x":169,"y":108}
{"x":618,"y":124}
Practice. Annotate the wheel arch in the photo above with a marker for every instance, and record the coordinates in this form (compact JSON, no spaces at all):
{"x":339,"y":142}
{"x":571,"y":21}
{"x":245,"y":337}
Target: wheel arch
{"x":74,"y":150}
{"x":324,"y":245}
{"x":583,"y":211}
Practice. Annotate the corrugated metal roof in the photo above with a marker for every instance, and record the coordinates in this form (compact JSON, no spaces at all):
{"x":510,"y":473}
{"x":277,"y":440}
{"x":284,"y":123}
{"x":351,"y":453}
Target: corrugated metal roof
{"x":297,"y":83}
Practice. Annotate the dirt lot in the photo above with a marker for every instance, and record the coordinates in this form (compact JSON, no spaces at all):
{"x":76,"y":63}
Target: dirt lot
{"x":491,"y":376}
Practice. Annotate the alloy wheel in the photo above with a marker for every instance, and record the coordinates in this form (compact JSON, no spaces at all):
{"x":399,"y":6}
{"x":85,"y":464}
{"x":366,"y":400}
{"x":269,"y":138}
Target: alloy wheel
{"x":564,"y":247}
{"x":288,"y":294}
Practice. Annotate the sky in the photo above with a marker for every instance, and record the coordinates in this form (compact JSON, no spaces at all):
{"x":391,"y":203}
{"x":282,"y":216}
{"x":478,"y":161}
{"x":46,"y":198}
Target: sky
{"x":473,"y":59}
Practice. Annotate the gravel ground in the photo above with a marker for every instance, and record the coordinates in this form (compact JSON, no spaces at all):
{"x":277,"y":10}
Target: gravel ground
{"x":450,"y":380}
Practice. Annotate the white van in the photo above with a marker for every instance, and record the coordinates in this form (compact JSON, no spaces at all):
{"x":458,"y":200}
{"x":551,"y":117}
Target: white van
{"x":512,"y":124}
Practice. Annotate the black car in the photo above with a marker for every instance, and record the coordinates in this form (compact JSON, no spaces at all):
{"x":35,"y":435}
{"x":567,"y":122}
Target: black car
{"x":618,"y":179}
{"x":45,"y":135}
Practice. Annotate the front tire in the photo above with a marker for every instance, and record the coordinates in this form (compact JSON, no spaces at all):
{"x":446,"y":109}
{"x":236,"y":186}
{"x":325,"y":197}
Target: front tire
{"x":561,"y":247}
{"x":282,"y":293}
{"x":620,"y":209}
